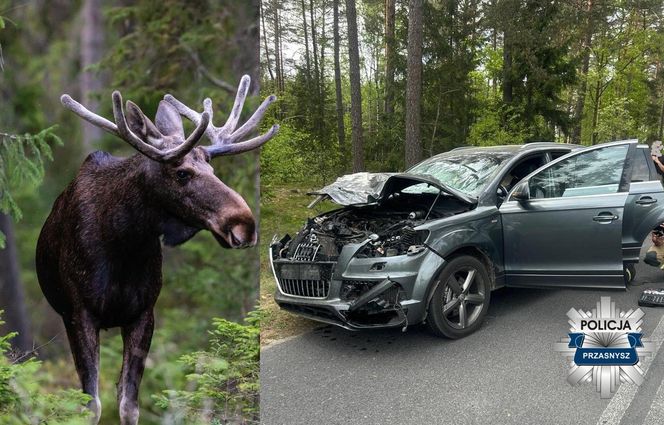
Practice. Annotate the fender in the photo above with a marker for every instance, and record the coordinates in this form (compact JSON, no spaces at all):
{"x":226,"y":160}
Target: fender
{"x":459,"y":240}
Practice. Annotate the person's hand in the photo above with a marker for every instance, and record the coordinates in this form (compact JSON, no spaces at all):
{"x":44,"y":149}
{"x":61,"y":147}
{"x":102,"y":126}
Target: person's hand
{"x":656,"y":159}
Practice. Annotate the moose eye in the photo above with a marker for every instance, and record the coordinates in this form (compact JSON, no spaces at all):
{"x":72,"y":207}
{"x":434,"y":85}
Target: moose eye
{"x":183,"y":175}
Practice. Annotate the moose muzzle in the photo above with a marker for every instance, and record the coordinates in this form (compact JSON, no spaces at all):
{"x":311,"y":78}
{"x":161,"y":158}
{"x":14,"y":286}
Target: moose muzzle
{"x":234,"y":226}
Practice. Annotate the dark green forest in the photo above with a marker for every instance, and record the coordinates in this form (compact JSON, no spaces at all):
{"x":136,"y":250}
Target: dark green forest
{"x":377,"y":85}
{"x":203,"y":365}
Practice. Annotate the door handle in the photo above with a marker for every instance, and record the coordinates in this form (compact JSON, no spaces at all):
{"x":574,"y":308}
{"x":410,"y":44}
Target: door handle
{"x":646,"y":200}
{"x":605,"y":217}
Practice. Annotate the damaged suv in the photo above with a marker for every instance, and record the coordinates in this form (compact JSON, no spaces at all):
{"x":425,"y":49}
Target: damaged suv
{"x":432,"y":243}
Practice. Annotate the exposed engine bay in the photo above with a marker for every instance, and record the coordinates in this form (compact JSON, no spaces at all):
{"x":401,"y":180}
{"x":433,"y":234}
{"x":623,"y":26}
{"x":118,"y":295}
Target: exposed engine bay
{"x":389,"y":224}
{"x":386,"y":224}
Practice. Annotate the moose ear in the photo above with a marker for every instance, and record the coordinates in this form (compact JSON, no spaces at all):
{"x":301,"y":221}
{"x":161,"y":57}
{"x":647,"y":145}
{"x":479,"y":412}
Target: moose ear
{"x":141,"y":125}
{"x":168,"y":120}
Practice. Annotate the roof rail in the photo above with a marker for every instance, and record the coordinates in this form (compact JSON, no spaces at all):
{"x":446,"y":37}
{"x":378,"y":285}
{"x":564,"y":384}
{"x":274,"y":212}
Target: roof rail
{"x":530,"y":144}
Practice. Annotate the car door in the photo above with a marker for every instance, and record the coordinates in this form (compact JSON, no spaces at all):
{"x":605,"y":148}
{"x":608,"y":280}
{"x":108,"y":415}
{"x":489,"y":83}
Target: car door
{"x":567,"y":228}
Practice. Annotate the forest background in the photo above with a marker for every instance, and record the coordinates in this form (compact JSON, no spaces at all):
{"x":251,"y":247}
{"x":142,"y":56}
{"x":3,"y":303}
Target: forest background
{"x":378,"y":85}
{"x":201,"y":368}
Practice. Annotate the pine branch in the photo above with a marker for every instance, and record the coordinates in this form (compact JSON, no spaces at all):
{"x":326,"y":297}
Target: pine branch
{"x":21,"y":164}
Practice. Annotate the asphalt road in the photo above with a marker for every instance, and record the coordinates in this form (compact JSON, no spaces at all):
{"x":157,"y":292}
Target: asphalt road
{"x":506,"y":373}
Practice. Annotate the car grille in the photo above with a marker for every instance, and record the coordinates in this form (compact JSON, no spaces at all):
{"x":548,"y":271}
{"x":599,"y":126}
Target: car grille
{"x":305,"y":288}
{"x":304,"y":279}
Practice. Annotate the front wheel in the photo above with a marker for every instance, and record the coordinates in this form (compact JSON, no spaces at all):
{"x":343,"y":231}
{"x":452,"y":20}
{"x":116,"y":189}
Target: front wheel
{"x":461,"y":298}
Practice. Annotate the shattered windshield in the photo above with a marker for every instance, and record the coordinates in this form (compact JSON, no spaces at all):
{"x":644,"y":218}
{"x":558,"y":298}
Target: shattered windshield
{"x":465,"y":171}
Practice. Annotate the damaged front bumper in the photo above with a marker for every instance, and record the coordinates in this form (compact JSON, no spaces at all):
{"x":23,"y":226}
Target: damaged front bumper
{"x":353,"y":293}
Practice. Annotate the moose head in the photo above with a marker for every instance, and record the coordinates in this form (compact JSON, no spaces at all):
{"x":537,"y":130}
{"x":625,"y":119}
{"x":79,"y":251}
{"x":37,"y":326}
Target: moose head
{"x":179,"y":173}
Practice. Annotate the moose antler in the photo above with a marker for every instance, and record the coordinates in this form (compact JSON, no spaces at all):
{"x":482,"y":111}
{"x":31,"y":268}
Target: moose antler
{"x":225,"y":139}
{"x":122,"y":130}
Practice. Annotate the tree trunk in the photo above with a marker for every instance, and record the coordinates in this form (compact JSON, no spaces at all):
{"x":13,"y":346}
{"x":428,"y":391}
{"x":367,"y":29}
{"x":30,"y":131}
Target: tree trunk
{"x":660,"y":133}
{"x":92,"y":45}
{"x":306,"y":44}
{"x":414,"y":83}
{"x":341,"y":131}
{"x":11,"y":290}
{"x":598,"y":93}
{"x":267,"y":52}
{"x":390,"y":11}
{"x":277,"y":51}
{"x":355,"y":88}
{"x":314,"y":47}
{"x":318,"y":46}
{"x":585,"y":63}
{"x":321,"y":61}
{"x":494,"y":45}
{"x":281,"y":58}
{"x":507,"y":68}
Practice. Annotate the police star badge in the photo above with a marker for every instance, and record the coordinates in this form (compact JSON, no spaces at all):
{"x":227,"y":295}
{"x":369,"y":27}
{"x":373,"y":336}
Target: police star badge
{"x":605,"y":346}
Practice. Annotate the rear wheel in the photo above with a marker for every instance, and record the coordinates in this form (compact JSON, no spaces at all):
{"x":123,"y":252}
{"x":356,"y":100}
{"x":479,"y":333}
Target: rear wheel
{"x":461,"y":298}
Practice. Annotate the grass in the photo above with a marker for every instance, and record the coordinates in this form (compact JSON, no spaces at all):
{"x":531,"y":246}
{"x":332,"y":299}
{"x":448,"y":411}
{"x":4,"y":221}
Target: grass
{"x":283,"y":210}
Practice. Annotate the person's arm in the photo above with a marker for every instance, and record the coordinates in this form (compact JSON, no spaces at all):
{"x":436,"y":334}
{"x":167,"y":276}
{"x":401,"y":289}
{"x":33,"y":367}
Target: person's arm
{"x":658,"y":163}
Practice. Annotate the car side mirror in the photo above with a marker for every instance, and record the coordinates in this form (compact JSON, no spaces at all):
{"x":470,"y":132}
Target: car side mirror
{"x":521,"y":192}
{"x":501,"y":191}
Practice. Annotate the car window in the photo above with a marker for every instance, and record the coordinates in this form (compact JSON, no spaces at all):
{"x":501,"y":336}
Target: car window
{"x":521,"y":170}
{"x":640,"y":171}
{"x":558,"y":154}
{"x":593,"y":172}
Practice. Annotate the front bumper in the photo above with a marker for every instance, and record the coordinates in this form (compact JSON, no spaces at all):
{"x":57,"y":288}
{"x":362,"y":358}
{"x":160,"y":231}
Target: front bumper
{"x":353,"y":293}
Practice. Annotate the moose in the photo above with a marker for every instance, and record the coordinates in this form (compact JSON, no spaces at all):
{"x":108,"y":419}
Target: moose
{"x":99,"y":253}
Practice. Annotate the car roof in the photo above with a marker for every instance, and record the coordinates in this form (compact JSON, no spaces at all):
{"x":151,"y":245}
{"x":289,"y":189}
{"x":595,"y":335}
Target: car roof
{"x":506,"y":151}
{"x":514,"y":149}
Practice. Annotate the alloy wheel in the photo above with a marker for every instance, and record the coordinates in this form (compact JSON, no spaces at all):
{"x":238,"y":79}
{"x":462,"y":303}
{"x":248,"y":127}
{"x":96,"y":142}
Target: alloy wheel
{"x":463,"y":298}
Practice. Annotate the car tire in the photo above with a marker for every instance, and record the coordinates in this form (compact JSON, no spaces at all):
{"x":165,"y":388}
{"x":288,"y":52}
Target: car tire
{"x":452,"y":315}
{"x":630,"y":273}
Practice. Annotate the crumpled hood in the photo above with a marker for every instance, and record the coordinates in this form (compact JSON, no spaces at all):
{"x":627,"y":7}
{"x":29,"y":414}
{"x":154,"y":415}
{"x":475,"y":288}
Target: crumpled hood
{"x":357,"y":188}
{"x":363,"y":188}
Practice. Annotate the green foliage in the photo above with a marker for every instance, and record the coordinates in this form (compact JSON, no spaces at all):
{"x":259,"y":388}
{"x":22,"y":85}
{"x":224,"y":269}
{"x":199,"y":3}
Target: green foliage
{"x":295,"y":156}
{"x":623,"y":125}
{"x":498,"y":127}
{"x":224,"y":378}
{"x":22,"y":164}
{"x":26,"y":397}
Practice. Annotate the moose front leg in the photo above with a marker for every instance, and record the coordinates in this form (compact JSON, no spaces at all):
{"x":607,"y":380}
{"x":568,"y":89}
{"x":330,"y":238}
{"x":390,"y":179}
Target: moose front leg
{"x":83,"y":335}
{"x":136,"y":338}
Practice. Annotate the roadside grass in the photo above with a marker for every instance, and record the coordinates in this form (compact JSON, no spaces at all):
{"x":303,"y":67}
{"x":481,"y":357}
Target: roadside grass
{"x":283,"y":210}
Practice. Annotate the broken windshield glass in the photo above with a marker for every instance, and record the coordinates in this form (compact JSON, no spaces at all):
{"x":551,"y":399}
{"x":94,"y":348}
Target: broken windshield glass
{"x":463,"y":171}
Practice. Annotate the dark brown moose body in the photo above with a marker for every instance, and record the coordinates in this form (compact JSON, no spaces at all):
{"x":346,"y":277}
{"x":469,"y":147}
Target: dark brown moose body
{"x":99,"y":252}
{"x":99,"y":249}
